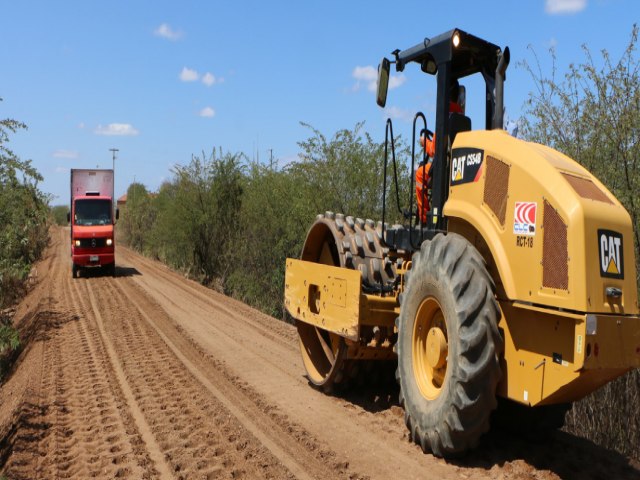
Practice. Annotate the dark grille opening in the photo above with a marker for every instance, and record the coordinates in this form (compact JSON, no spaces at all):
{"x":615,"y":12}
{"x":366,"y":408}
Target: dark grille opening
{"x":496,"y":186}
{"x":93,"y":242}
{"x":555,"y":250}
{"x":587,"y":189}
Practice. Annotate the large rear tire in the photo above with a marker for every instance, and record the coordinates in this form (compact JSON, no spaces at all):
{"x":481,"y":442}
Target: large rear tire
{"x":449,"y":346}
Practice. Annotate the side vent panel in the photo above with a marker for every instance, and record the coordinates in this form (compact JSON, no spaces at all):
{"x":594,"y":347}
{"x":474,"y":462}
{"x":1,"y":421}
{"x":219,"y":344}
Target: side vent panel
{"x":587,"y":189}
{"x":496,"y":187}
{"x":555,"y":250}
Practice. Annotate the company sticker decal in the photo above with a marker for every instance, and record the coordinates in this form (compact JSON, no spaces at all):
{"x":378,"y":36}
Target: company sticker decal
{"x":524,"y":218}
{"x":466,"y":165}
{"x":610,"y":248}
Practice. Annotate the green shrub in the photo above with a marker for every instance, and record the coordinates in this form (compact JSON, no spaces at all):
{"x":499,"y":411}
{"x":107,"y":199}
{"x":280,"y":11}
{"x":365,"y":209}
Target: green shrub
{"x":24,"y":217}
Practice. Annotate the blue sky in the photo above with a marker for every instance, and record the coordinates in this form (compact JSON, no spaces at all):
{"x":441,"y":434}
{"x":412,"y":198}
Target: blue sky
{"x":164,"y":80}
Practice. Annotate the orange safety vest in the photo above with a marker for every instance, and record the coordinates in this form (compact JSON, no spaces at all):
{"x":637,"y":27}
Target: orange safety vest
{"x":422,"y":177}
{"x":422,"y":173}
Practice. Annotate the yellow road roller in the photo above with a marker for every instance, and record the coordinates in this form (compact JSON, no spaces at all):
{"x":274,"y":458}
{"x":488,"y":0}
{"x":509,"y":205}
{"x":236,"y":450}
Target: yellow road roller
{"x":516,"y":287}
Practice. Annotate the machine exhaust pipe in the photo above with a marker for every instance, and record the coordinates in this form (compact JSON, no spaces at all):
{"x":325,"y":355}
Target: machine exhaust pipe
{"x":501,"y":70}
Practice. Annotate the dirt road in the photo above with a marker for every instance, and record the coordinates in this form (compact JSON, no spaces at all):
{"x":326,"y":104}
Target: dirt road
{"x":150,"y":375}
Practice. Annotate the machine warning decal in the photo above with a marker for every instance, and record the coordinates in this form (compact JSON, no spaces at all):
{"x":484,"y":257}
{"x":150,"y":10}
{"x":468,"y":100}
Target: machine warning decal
{"x":610,"y":248}
{"x":466,"y":165}
{"x":524,"y":218}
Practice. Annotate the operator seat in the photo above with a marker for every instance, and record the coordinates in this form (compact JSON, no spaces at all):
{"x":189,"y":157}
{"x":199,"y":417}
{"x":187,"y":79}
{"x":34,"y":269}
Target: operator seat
{"x":458,"y":123}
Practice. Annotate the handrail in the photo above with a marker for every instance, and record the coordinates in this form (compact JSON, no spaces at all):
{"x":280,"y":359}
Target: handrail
{"x":412,"y":189}
{"x":389,"y":130}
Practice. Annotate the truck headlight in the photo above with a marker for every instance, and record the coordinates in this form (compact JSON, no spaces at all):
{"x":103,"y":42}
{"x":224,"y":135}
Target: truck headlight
{"x":109,"y":242}
{"x":77,"y":242}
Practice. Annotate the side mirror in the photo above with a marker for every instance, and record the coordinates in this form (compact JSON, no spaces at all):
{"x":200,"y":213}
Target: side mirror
{"x":383,"y":82}
{"x":68,"y":217}
{"x":462,"y":98}
{"x":117,"y":213}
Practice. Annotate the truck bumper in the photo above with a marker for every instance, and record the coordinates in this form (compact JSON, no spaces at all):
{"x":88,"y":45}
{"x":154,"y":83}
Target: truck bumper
{"x":93,"y":260}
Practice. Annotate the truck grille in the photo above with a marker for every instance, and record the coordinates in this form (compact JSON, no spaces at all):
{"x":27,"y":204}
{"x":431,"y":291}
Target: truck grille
{"x":93,"y":242}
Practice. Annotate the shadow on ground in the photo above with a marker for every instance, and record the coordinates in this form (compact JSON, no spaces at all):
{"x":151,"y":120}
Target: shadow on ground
{"x":126,"y":272}
{"x":561,"y":454}
{"x":100,"y":272}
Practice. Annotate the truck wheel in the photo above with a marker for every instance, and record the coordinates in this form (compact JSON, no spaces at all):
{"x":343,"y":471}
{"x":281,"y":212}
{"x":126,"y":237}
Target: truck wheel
{"x":449,"y":346}
{"x":75,"y":271}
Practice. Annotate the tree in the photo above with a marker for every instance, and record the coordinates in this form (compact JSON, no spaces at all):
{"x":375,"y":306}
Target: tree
{"x":59,"y":214}
{"x":138,"y":216}
{"x":23,"y":229}
{"x":193,"y":222}
{"x":274,"y":219}
{"x":345,"y":174}
{"x":23,"y":216}
{"x":592,"y":115}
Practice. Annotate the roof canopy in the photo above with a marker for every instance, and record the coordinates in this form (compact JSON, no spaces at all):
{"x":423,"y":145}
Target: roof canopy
{"x":467,"y":53}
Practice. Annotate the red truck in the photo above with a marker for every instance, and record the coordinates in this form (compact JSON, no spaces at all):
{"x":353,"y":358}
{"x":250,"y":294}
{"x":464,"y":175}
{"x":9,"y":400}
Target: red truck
{"x":92,"y":220}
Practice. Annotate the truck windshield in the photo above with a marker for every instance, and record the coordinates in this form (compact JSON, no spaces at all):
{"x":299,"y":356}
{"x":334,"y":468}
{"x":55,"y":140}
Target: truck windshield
{"x":92,"y":212}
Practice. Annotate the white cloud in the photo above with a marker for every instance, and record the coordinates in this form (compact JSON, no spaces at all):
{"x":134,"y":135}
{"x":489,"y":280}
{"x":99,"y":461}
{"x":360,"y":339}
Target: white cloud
{"x":62,"y":169}
{"x":367,"y":74}
{"x":398,"y":114}
{"x":70,"y":154}
{"x":558,"y":7}
{"x":165,"y":31}
{"x":396,"y":80}
{"x":188,"y":75}
{"x":207,"y":112}
{"x":81,"y":125}
{"x":210,"y":79}
{"x":117,"y":129}
{"x":369,"y":77}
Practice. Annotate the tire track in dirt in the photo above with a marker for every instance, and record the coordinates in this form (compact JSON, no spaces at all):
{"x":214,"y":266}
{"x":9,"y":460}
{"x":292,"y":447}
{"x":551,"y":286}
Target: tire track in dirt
{"x":150,"y":443}
{"x":232,"y":326}
{"x":290,"y":443}
{"x":196,"y":434}
{"x":274,"y":331}
{"x":71,"y":422}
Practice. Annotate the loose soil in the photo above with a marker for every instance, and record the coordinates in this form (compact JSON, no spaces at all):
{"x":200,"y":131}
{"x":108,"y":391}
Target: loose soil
{"x":150,"y":375}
